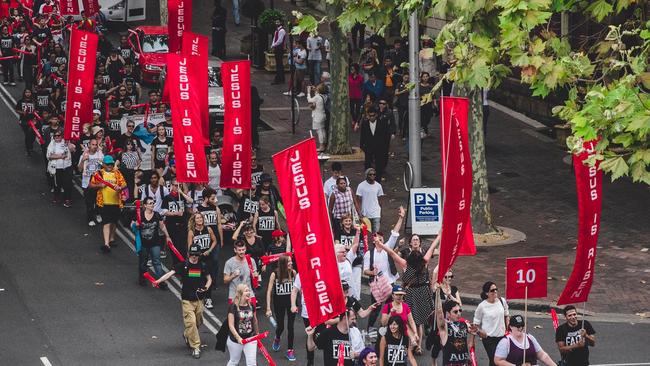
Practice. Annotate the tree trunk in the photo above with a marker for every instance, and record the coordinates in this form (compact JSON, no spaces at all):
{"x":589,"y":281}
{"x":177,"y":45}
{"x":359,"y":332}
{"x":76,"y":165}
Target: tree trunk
{"x":339,"y":130}
{"x":480,"y":210}
{"x":163,"y":12}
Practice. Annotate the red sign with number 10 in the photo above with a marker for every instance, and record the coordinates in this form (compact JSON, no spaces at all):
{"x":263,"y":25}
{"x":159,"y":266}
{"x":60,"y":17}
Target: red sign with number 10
{"x":526,"y":272}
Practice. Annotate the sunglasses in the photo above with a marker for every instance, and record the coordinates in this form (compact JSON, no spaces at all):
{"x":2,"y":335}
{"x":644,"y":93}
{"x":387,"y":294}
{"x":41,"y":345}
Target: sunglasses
{"x":494,"y":289}
{"x":452,"y":276}
{"x":57,"y":135}
{"x":457,"y":311}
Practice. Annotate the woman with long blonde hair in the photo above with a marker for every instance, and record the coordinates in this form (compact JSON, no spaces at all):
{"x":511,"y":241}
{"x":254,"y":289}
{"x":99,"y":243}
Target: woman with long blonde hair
{"x":242,"y":323}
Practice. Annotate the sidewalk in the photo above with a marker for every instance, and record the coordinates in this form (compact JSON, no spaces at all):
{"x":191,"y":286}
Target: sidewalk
{"x":534,"y":192}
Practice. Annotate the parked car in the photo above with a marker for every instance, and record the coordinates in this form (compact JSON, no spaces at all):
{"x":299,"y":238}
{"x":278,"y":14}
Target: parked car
{"x":150,"y":44}
{"x":215,"y":92}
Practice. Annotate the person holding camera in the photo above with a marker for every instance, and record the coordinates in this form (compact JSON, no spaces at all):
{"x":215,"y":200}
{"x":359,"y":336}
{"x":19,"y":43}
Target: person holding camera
{"x":195,"y":280}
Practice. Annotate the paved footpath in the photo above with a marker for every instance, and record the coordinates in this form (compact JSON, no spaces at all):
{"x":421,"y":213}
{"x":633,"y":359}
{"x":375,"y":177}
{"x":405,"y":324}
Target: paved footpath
{"x":535,"y":194}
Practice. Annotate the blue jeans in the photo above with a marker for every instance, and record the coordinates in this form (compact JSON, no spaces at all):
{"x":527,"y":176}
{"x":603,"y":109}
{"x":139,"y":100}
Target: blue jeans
{"x":315,"y":71}
{"x":235,"y":11}
{"x":212,"y":261}
{"x":376,"y":223}
{"x":143,"y":257}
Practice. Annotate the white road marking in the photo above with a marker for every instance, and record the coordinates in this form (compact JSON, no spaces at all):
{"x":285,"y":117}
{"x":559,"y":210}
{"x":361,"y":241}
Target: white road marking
{"x":128,"y":242}
{"x":516,"y":115}
{"x":45,"y":361}
{"x":624,"y":364}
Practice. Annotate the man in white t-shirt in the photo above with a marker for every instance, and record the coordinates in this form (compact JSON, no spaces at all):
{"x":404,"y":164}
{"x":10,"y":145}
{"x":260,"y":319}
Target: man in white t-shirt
{"x":90,"y":162}
{"x":214,"y":172}
{"x":330,"y":184}
{"x":368,"y":193}
{"x":314,"y":57}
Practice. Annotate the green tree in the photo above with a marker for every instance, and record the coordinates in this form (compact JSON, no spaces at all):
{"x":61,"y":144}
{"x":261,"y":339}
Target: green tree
{"x":606,"y":80}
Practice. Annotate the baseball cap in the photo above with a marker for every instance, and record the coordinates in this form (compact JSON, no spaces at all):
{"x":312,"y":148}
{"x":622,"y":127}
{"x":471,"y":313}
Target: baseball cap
{"x":97,"y":111}
{"x":109,"y":160}
{"x":397,"y":289}
{"x":517,"y":321}
{"x":277,"y":233}
{"x":194,"y":250}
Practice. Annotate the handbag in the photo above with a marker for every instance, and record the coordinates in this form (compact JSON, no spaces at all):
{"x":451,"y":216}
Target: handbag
{"x":380,"y":288}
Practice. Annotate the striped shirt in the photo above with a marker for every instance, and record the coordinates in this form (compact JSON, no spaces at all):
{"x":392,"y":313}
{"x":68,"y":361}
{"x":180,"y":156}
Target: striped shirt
{"x":342,"y":203}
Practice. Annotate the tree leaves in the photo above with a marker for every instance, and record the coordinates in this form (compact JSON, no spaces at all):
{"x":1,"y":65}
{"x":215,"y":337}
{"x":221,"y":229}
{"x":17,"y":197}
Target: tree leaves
{"x":599,"y":9}
{"x":616,"y":166}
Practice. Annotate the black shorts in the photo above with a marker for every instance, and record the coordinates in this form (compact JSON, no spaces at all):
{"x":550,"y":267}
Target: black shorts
{"x":110,"y":214}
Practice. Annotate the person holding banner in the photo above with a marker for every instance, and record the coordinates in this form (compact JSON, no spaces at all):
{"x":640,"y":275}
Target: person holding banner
{"x":25,"y":108}
{"x":109,"y":182}
{"x":195,"y":279}
{"x":152,"y":224}
{"x":453,"y":332}
{"x":491,"y":317}
{"x":236,"y":271}
{"x":332,"y":339}
{"x":279,"y":293}
{"x":519,"y":348}
{"x":89,"y":163}
{"x":574,"y":339}
{"x":242,"y":323}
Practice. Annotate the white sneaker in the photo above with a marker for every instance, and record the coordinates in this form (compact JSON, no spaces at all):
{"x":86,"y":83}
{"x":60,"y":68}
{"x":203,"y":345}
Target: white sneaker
{"x":300,"y":95}
{"x":208,"y":304}
{"x":196,"y":353}
{"x":287,"y":93}
{"x":163,"y":254}
{"x":98,"y":218}
{"x":91,"y":223}
{"x":423,"y":134}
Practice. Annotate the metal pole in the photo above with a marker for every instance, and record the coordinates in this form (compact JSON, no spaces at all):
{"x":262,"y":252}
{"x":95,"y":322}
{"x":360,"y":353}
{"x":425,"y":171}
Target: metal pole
{"x":415,"y":148}
{"x":292,"y":89}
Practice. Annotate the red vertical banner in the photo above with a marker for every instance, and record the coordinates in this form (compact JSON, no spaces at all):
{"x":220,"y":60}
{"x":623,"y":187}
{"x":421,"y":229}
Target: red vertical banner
{"x":184,"y":91}
{"x":69,"y":7}
{"x":301,"y":189}
{"x":237,"y":139}
{"x":589,"y":185}
{"x":91,"y":7}
{"x":81,"y":76}
{"x":196,"y":46}
{"x":179,"y":20}
{"x":457,"y":183}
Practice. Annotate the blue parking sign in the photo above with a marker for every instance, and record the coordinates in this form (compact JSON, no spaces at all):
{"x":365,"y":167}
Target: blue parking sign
{"x":426,"y":205}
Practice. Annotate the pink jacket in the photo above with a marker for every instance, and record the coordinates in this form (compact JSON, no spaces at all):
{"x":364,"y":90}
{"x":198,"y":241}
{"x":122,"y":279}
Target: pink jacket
{"x":355,"y":85}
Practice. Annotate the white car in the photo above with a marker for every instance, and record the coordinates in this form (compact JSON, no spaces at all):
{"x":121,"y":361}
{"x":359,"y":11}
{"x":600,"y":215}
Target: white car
{"x":215,"y":92}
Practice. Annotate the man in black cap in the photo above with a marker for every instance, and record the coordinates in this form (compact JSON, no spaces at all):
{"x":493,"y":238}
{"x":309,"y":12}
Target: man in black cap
{"x":195,"y":279}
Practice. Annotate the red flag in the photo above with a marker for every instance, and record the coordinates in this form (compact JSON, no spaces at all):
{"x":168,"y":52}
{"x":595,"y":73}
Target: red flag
{"x":556,"y":321}
{"x":81,"y":76}
{"x":150,"y":278}
{"x":191,"y":165}
{"x":266,"y":259}
{"x":589,"y":184}
{"x":237,"y":139}
{"x":31,"y":125}
{"x":91,"y":7}
{"x":255,"y":281}
{"x":255,"y":338}
{"x":457,"y":183}
{"x":265,"y":353}
{"x":341,"y":351}
{"x":69,"y":7}
{"x":178,"y":254}
{"x":196,"y":46}
{"x":301,"y":188}
{"x":179,"y":20}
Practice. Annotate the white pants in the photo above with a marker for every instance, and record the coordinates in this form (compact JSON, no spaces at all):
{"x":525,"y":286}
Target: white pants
{"x":235,"y":350}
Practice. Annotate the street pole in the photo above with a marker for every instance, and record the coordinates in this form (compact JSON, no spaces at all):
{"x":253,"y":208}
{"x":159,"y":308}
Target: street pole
{"x":292,"y":89}
{"x":415,"y":148}
{"x":163,"y":12}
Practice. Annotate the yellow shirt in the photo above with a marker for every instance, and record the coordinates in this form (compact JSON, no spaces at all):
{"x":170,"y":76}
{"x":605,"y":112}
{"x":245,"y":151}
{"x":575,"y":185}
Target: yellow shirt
{"x":110,"y":196}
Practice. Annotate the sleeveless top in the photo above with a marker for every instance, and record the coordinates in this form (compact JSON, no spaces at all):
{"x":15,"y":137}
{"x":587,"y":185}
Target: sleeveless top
{"x":455,"y":351}
{"x":202,"y":238}
{"x":282,"y":292}
{"x":516,"y":354}
{"x":396,"y":353}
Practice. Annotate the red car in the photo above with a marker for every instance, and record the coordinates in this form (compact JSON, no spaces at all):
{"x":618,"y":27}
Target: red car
{"x":150,"y":46}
